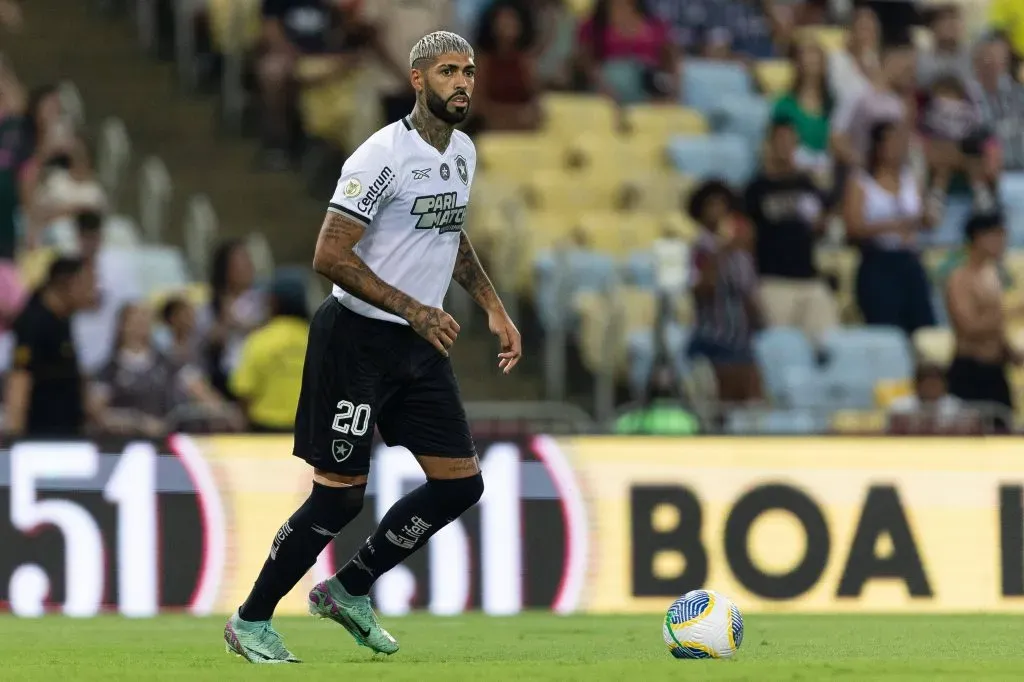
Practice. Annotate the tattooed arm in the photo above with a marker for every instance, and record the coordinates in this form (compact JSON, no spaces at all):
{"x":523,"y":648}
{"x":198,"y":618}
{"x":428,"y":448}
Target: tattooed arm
{"x":471,"y":276}
{"x":335,"y":259}
{"x":469,"y":273}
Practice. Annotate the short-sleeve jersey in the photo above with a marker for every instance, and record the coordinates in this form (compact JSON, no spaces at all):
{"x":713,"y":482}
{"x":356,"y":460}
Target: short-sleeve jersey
{"x":412,"y":200}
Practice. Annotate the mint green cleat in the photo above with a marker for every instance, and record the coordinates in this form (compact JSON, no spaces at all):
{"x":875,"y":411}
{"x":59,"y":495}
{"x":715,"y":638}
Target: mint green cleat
{"x":330,"y":600}
{"x":256,"y":642}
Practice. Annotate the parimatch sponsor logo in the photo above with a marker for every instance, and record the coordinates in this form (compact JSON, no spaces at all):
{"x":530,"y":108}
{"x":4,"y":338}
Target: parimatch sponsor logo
{"x":440,"y":211}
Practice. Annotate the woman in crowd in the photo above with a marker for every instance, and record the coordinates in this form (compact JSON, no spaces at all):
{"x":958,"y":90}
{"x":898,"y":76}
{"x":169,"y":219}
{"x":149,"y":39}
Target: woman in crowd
{"x":627,"y":54}
{"x":808,"y":105}
{"x":235,"y":309}
{"x":853,"y":70}
{"x":507,"y":95}
{"x":728,"y":309}
{"x":139,"y":388}
{"x":884,"y":215}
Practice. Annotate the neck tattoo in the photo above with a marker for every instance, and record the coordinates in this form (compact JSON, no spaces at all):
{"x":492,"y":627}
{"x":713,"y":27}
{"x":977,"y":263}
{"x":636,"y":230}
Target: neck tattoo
{"x":436,"y":132}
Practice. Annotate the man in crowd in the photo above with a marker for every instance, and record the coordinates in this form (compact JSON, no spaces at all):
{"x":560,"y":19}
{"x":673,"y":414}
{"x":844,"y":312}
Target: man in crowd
{"x":788,"y":213}
{"x":974,"y":297}
{"x":44,"y":394}
{"x":1001,"y":100}
{"x":950,"y":55}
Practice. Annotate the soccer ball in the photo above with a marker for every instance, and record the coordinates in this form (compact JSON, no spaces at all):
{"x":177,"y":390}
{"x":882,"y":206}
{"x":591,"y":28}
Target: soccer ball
{"x":703,"y":624}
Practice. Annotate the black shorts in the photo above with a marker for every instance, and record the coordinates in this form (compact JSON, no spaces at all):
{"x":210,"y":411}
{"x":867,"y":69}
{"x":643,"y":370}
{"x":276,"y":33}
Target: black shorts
{"x":360,"y":373}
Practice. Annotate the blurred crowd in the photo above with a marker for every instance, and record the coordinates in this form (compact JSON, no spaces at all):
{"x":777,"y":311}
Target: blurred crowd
{"x":908,"y":124}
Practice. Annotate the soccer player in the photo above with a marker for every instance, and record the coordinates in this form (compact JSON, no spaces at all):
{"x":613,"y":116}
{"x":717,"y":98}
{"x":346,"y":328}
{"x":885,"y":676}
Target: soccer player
{"x":392,"y":241}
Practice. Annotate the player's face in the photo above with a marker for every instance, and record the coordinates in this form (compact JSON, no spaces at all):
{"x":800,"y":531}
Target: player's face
{"x":448,"y":87}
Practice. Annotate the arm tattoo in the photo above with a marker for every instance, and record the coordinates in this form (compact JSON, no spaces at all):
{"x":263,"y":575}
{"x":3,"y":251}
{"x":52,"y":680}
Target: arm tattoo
{"x":336,"y":261}
{"x":471,"y":276}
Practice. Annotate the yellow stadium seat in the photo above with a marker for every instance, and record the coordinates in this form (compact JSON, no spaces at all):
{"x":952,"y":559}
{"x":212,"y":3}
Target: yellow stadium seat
{"x":34,"y":266}
{"x":664,"y":120}
{"x":618,"y":155}
{"x":567,"y":191}
{"x":1014,"y":264}
{"x":234,"y":24}
{"x":581,"y":8}
{"x":566,"y":115}
{"x":197,"y":293}
{"x":775,"y":76}
{"x":328,"y":108}
{"x":518,"y":155}
{"x":665,"y":191}
{"x":831,"y":38}
{"x":935,"y":345}
{"x":859,"y":421}
{"x":889,"y":390}
{"x":595,"y":315}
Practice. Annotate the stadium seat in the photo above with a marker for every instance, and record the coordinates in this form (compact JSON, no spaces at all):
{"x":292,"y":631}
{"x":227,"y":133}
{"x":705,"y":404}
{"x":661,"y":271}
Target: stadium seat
{"x":831,"y":38}
{"x":641,"y":352}
{"x":1011,"y":194}
{"x":617,"y":155}
{"x":564,"y":274}
{"x":656,"y":192}
{"x":803,"y":387}
{"x":889,"y":390}
{"x":556,"y":190}
{"x":565,"y":115}
{"x":234,"y":25}
{"x":772,"y":422}
{"x":950,"y":232}
{"x":727,"y":157}
{"x":859,"y":358}
{"x":161,"y":268}
{"x":1014,"y":264}
{"x":706,"y":81}
{"x":517,"y":155}
{"x":121,"y":231}
{"x":859,"y":422}
{"x":665,"y":120}
{"x":745,"y":115}
{"x":774,"y":76}
{"x":935,"y":345}
{"x":777,"y":350}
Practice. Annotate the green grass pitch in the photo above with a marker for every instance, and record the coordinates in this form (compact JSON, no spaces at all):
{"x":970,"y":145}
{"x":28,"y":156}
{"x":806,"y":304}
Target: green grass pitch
{"x":527,"y":647}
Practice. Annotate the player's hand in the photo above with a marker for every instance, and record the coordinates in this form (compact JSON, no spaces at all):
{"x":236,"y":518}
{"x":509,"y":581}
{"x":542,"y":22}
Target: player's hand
{"x":436,"y":326}
{"x":511,"y":343}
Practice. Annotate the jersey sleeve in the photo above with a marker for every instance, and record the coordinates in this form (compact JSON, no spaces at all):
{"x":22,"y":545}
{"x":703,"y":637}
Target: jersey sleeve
{"x":368,"y":180}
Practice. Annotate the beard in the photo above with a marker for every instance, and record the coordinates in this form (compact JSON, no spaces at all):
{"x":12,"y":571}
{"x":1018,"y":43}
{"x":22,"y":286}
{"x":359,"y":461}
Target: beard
{"x":439,"y":107}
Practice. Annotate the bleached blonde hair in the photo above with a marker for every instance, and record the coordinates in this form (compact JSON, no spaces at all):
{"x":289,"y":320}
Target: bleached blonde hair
{"x":433,"y":45}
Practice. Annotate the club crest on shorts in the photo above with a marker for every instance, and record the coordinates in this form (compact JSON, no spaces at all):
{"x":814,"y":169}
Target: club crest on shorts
{"x":462,"y":169}
{"x":445,"y":171}
{"x":352,"y":188}
{"x":341,"y":449}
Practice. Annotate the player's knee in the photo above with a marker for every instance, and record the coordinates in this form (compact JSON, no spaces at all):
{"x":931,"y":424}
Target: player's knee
{"x":456,"y":495}
{"x":333,"y":508}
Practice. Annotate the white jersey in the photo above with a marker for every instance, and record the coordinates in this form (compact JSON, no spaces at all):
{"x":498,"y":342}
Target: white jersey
{"x":412,"y":199}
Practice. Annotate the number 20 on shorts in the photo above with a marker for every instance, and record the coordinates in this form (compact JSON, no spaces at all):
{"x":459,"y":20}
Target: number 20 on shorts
{"x":351,"y":418}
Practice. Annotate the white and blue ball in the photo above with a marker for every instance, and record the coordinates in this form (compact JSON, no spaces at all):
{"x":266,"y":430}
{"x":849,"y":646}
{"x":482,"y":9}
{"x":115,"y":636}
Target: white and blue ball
{"x":703,"y":624}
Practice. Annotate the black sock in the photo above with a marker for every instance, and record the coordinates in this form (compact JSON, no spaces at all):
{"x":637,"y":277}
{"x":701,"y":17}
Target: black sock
{"x":298,"y":543}
{"x":406,"y":527}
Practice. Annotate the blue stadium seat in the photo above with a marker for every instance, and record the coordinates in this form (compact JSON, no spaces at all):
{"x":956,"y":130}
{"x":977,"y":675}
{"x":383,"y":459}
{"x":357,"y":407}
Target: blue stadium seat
{"x":706,"y":81}
{"x":804,"y":388}
{"x":725,"y":156}
{"x":777,"y":350}
{"x":746,"y":115}
{"x":859,"y":358}
{"x":560,"y":276}
{"x":1011,"y":193}
{"x":639,"y":269}
{"x":773,"y":422}
{"x":640,"y":351}
{"x":950,"y":232}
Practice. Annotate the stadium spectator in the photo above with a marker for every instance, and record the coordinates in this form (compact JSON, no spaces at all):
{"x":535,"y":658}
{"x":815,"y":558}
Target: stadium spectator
{"x":626,"y":53}
{"x":726,"y":294}
{"x":396,"y":25}
{"x":115,"y":273}
{"x":291,"y":29}
{"x":884,"y":214}
{"x":808,"y":105}
{"x":12,"y":122}
{"x":724,"y":29}
{"x":10,"y":15}
{"x":788,"y":213}
{"x":235,"y":309}
{"x":268,"y":376}
{"x":182,"y":346}
{"x":44,"y":393}
{"x":1001,"y":100}
{"x":930,"y":409}
{"x":974,"y":297}
{"x":885,"y":101}
{"x":57,"y":187}
{"x":556,"y":38}
{"x":851,"y":71}
{"x":951,"y":55}
{"x":895,"y":18}
{"x":47,"y":127}
{"x":139,"y":389}
{"x":507,"y":91}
